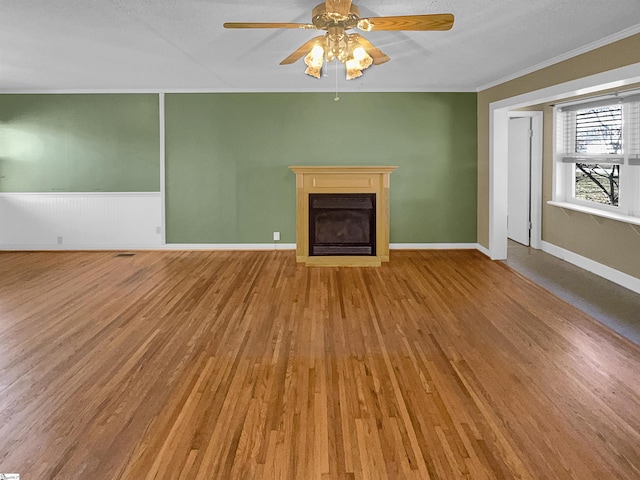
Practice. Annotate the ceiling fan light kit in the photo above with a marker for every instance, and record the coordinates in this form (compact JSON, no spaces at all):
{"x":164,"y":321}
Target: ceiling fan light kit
{"x":336,"y":44}
{"x":356,"y":52}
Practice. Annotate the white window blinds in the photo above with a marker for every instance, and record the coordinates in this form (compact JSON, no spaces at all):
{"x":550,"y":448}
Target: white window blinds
{"x":605,"y":131}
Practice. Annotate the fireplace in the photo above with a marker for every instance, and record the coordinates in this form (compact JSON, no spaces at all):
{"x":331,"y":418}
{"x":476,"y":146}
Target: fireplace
{"x":342,"y":224}
{"x":342,"y":215}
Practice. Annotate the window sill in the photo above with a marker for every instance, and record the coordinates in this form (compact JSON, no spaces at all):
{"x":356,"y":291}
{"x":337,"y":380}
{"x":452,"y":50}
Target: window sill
{"x":596,"y":212}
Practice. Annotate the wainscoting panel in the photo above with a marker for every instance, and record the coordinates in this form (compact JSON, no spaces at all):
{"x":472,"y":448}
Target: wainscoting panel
{"x":64,"y":221}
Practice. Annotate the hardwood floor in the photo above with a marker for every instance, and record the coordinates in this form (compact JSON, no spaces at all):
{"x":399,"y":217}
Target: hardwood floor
{"x":216,"y":365}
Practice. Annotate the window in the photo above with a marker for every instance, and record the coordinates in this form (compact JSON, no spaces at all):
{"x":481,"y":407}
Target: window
{"x":597,"y":159}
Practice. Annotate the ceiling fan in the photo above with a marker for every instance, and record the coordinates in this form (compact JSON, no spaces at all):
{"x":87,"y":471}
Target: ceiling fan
{"x":356,"y":52}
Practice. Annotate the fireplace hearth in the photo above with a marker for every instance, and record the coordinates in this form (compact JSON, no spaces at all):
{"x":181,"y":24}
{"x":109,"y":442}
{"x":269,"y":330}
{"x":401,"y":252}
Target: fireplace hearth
{"x":342,"y":224}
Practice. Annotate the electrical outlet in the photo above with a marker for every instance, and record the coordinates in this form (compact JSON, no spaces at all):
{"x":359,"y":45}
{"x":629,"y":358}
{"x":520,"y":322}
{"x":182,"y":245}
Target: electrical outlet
{"x":59,"y":240}
{"x":276,"y":236}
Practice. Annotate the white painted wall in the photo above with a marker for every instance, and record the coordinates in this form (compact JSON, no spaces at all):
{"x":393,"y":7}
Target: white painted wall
{"x":65,"y":221}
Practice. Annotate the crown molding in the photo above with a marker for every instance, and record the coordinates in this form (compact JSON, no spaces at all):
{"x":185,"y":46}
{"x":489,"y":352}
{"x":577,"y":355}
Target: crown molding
{"x":565,"y":56}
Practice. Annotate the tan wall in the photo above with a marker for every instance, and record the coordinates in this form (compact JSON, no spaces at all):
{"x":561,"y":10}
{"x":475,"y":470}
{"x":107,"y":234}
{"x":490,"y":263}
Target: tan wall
{"x":599,"y":239}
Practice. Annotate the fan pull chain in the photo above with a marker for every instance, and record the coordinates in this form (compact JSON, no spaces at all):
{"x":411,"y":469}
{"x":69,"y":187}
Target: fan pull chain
{"x":337,"y":98}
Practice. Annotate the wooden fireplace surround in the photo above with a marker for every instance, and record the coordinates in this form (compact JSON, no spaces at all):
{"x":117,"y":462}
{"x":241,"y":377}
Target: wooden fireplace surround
{"x":330,"y":179}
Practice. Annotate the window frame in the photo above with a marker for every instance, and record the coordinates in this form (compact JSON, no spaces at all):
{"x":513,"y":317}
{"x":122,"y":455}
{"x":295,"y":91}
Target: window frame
{"x":565,"y":159}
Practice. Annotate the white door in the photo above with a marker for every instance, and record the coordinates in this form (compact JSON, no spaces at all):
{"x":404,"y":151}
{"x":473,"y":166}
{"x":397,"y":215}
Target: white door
{"x":519,"y":180}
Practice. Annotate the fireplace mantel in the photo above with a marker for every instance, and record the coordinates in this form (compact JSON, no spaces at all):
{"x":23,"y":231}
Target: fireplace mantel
{"x":334,"y":179}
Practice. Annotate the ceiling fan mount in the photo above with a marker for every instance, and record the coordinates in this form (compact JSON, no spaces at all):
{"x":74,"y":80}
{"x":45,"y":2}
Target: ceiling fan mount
{"x":356,"y":52}
{"x":323,"y":19}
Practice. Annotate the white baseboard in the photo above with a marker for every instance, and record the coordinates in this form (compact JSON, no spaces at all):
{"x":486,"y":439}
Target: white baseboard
{"x":292,"y":246}
{"x":433,"y":246}
{"x":611,"y":274}
{"x":483,"y":250}
{"x":228,"y":246}
{"x":234,"y":246}
{"x":77,"y":248}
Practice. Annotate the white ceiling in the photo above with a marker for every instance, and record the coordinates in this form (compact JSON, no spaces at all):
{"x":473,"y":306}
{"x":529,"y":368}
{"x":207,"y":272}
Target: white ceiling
{"x":169,"y":45}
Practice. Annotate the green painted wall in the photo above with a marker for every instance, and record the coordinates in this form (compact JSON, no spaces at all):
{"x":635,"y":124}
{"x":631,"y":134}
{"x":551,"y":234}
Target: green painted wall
{"x":79,"y":143}
{"x":227,"y":179}
{"x":227,"y":155}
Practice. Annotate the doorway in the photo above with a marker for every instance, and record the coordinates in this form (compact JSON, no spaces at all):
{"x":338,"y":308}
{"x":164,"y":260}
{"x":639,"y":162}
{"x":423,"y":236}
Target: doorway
{"x":499,"y":181}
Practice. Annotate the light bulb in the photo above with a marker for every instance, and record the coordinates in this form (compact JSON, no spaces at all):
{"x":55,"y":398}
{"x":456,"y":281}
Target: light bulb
{"x":318,"y":53}
{"x":362,"y":58}
{"x":359,"y":53}
{"x":352,"y":69}
{"x":314,"y":61}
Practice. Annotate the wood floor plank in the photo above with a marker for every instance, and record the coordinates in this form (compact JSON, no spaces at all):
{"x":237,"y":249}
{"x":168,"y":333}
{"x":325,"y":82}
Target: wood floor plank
{"x":245,"y":365}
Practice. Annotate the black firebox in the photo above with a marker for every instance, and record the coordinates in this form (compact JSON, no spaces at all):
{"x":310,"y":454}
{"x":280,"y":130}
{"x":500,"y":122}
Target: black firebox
{"x":342,"y":224}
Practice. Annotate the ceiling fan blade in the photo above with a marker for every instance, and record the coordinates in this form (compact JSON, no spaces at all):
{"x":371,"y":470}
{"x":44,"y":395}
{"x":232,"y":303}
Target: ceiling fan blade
{"x":302,"y":51}
{"x":440,"y":21}
{"x":377,"y":55}
{"x":306,"y":26}
{"x":341,"y":7}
